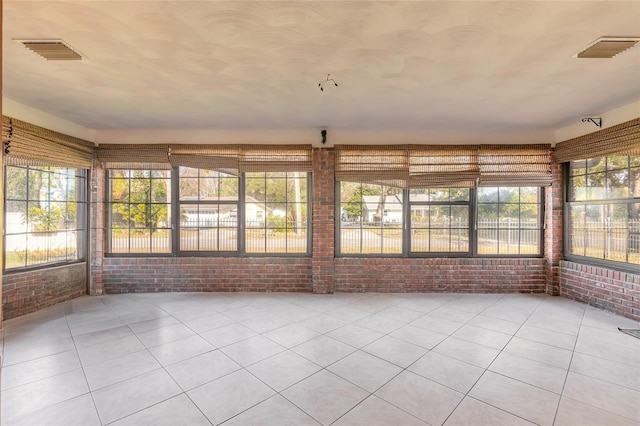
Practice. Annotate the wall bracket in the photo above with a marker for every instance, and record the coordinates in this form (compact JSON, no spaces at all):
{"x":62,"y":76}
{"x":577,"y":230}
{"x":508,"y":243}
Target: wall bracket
{"x":595,"y":120}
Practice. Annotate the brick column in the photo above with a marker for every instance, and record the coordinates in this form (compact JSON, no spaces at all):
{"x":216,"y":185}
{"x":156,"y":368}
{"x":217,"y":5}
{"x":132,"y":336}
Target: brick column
{"x":553,"y":234}
{"x":97,"y":229}
{"x":323,"y":220}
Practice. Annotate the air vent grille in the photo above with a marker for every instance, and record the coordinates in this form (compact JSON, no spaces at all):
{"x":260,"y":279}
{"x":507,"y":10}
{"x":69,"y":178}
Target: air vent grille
{"x":52,"y":50}
{"x":607,"y":47}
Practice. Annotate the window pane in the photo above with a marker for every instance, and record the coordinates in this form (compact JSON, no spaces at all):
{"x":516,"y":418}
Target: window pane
{"x":511,"y":225}
{"x":140,"y":211}
{"x":599,"y":228}
{"x":45,"y":229}
{"x":276,"y":212}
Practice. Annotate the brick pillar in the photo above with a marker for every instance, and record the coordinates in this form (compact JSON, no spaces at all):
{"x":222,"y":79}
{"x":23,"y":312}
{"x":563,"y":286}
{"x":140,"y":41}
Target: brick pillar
{"x":553,"y":234}
{"x":323,"y":220}
{"x":97,"y":229}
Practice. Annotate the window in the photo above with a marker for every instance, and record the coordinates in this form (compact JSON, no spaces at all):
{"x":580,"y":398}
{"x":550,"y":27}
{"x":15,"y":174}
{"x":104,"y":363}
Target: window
{"x":139,"y":211}
{"x":45,"y":216}
{"x":276,"y":211}
{"x":509,"y":220}
{"x":439,"y":221}
{"x":603,"y":214}
{"x":208,"y":210}
{"x":371,"y":219}
{"x":187,"y":210}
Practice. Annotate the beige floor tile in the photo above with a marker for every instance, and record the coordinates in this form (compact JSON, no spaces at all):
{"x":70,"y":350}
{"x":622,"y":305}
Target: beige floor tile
{"x":548,"y":337}
{"x":177,"y":411}
{"x":152,"y":324}
{"x":540,"y":352}
{"x":322,"y":323}
{"x":125,"y":398}
{"x":528,"y":402}
{"x":316,"y":396}
{"x":482,"y":336}
{"x":380,"y":323}
{"x":419,"y":336}
{"x":603,"y":395}
{"x":283,"y":370}
{"x":364,"y":370}
{"x":252,"y":350}
{"x":78,"y":411}
{"x":469,"y":352}
{"x":447,"y":371}
{"x":355,"y":335}
{"x":275,"y":411}
{"x":179,"y":350}
{"x":228,"y":335}
{"x":291,"y":335}
{"x":38,"y":369}
{"x":572,"y":413}
{"x":323,"y":350}
{"x":495,"y":324}
{"x":109,"y":350}
{"x":605,"y":370}
{"x":119,"y":369}
{"x":229,"y":396}
{"x":529,"y":371}
{"x":85,"y":340}
{"x":474,"y":412}
{"x":437,"y":324}
{"x":395,"y":351}
{"x":265,"y":322}
{"x":165,"y":334}
{"x":202,"y":369}
{"x":420,"y":397}
{"x":374,"y":411}
{"x":209,"y":322}
{"x":22,"y":400}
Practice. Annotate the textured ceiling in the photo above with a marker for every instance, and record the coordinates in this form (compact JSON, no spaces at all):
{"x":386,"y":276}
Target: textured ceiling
{"x":409,"y":66}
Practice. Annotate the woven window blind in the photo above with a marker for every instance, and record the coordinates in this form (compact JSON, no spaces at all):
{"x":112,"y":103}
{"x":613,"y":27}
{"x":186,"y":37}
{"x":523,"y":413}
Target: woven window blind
{"x":515,"y":165}
{"x":377,"y":165}
{"x":32,"y":145}
{"x":134,"y":157}
{"x":223,"y":158}
{"x":275,"y":158}
{"x":623,"y":139}
{"x":433,"y":166}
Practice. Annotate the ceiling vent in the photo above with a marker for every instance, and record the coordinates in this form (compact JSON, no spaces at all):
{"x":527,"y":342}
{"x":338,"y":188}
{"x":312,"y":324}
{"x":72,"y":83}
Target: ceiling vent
{"x":607,"y":47}
{"x":52,"y":50}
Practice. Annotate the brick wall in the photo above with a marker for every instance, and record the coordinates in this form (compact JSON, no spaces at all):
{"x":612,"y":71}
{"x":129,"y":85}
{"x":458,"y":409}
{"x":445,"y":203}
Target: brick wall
{"x":323,"y":220}
{"x":553,"y":233}
{"x":441,"y":275}
{"x":167,"y":274}
{"x":603,"y":288}
{"x":26,"y":292}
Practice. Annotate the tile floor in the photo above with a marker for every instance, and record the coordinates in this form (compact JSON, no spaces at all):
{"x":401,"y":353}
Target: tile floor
{"x":302,"y":359}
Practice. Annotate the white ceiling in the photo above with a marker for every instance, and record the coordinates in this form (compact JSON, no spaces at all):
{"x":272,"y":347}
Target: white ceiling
{"x":468,"y":68}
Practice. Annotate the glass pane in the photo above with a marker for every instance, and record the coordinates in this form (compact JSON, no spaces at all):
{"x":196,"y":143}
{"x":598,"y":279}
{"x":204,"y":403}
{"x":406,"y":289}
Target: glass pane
{"x":459,"y":194}
{"x":419,"y":239}
{"x":618,"y":184}
{"x":509,"y":195}
{"x":371,"y":239}
{"x":617,"y":162}
{"x":487,"y":215}
{"x":460,"y":216}
{"x":188,"y":188}
{"x":160,"y":189}
{"x":578,"y":191}
{"x":487,"y":195}
{"x":419,"y":217}
{"x":578,"y":167}
{"x":634,"y":161}
{"x":487,"y":241}
{"x":255,"y":215}
{"x":15,"y":251}
{"x":188,"y":238}
{"x":160,"y":241}
{"x":617,"y":238}
{"x":595,"y":165}
{"x":440,"y":216}
{"x":509,"y":213}
{"x":119,"y":240}
{"x":596,"y":186}
{"x":634,"y":234}
{"x":209,"y":188}
{"x":229,"y":188}
{"x":140,"y":240}
{"x":16,"y":183}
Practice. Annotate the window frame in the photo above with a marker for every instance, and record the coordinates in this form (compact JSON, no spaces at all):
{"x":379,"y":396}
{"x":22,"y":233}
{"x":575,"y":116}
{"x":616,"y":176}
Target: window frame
{"x":82,"y":226}
{"x":472,"y":252}
{"x":568,"y":203}
{"x":174,"y":207}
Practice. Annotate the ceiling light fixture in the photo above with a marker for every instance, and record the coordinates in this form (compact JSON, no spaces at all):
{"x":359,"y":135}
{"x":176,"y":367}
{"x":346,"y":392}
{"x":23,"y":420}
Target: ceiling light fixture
{"x":607,"y":47}
{"x":328,"y":79}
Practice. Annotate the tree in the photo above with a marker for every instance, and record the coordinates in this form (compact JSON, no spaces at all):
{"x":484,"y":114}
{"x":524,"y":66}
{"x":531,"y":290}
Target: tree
{"x":353,"y":207}
{"x":144,"y":200}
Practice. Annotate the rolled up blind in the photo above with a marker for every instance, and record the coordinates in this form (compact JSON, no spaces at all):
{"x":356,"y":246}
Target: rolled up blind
{"x":31,"y":145}
{"x":134,"y":157}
